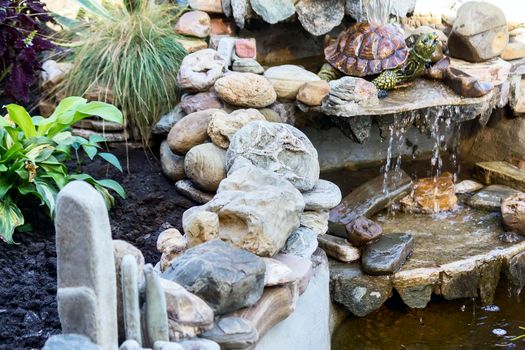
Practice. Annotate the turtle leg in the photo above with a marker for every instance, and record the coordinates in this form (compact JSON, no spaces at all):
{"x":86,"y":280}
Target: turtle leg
{"x":328,"y":72}
{"x":382,"y":93}
{"x":385,"y":81}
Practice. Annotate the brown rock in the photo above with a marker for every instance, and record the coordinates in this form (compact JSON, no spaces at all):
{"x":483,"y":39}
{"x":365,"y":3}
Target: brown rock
{"x":312,"y":93}
{"x":221,"y":26}
{"x":502,"y":173}
{"x":200,"y":102}
{"x":245,"y":48}
{"x":431,"y":195}
{"x":214,"y":6}
{"x":192,"y":45}
{"x":204,"y":165}
{"x":362,"y":231}
{"x":194,"y":23}
{"x":245,"y":90}
{"x":223,"y":126}
{"x":172,"y":164}
{"x":190,"y":131}
{"x":338,"y":248}
{"x":513,"y":213}
{"x":171,"y":243}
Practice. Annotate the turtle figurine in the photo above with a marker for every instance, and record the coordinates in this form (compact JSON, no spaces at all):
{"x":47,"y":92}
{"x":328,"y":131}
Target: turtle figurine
{"x":365,"y":49}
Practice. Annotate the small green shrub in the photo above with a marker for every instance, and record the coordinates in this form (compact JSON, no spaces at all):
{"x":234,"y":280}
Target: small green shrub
{"x":32,"y":155}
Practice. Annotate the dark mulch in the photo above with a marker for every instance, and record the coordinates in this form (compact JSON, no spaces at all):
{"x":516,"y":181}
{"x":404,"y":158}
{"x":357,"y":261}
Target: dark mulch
{"x":28,"y":313}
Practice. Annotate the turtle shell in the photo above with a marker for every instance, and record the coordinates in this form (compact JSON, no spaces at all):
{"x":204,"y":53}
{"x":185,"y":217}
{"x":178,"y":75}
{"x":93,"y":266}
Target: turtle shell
{"x":365,"y":49}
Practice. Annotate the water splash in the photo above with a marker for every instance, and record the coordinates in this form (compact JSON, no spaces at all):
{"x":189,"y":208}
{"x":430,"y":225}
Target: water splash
{"x":376,"y":11}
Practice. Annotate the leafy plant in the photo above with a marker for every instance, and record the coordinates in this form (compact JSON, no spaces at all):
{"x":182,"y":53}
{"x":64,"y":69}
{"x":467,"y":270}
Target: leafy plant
{"x":23,"y":35}
{"x":32,"y":155}
{"x":131,"y":52}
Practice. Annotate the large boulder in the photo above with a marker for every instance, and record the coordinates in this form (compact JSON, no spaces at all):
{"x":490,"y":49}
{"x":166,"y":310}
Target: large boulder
{"x":199,"y":70}
{"x":190,"y":131}
{"x":204,"y":166}
{"x":227,"y":278}
{"x":276,"y":147}
{"x":257,"y":211}
{"x":479,"y":32}
{"x":288,"y":78}
{"x":245,"y":90}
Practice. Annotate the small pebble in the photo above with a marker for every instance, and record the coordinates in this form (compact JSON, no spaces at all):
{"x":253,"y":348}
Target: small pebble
{"x":498,"y":331}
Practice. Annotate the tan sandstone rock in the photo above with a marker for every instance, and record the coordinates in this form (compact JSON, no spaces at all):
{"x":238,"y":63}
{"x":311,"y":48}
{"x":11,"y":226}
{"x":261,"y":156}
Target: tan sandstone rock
{"x":190,"y":131}
{"x":245,"y":90}
{"x":223,"y":126}
{"x":204,"y":165}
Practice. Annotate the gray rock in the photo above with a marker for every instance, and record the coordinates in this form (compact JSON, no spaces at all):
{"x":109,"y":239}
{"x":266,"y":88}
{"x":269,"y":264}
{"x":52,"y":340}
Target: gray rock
{"x":240,"y":10}
{"x":357,"y":8}
{"x":320,"y":17}
{"x":199,"y":344}
{"x":302,"y":242}
{"x":172,"y":164}
{"x":386,"y":255}
{"x":273,"y":11}
{"x":285,"y":110}
{"x":86,"y":295}
{"x":130,"y":345}
{"x":324,"y":196}
{"x":233,"y":333}
{"x":280,"y":148}
{"x":226,"y":7}
{"x":130,"y":299}
{"x":225,"y":49}
{"x":187,"y":188}
{"x":211,"y":271}
{"x":247,"y":65}
{"x":357,"y":292}
{"x":490,"y":197}
{"x":199,"y":70}
{"x":165,"y":345}
{"x":416,"y":296}
{"x":167,"y":121}
{"x":348,"y":95}
{"x":70,"y":342}
{"x":156,"y":311}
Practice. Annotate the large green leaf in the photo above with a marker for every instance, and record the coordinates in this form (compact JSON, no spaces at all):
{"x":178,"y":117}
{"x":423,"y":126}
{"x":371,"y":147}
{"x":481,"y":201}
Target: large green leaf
{"x":103,"y":110}
{"x":19,"y":115}
{"x":95,"y":8}
{"x":10,"y":218}
{"x":40,"y":153}
{"x":111,"y":159}
{"x":5,"y":185}
{"x":48,"y":194}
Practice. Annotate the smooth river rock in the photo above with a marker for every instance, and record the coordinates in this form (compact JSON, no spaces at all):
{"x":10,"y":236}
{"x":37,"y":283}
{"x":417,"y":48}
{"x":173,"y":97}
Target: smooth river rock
{"x":245,"y":90}
{"x":324,"y":196}
{"x":316,"y":220}
{"x":200,"y":102}
{"x":223,"y":126}
{"x":199,"y":344}
{"x":273,"y":11}
{"x":363,"y":230}
{"x":199,"y":70}
{"x":320,"y":17}
{"x":276,"y":147}
{"x":386,"y":255}
{"x":490,"y":197}
{"x":204,"y":165}
{"x":313,"y":93}
{"x":467,"y":186}
{"x":513,"y":213}
{"x":247,"y":65}
{"x":172,"y":164}
{"x":338,"y":248}
{"x":186,"y":188}
{"x":211,"y":271}
{"x":194,"y":23}
{"x":233,"y":333}
{"x":287,"y":79}
{"x":190,"y":131}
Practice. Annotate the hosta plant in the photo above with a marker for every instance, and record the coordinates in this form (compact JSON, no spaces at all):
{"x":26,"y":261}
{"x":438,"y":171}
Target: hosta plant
{"x":33,"y":152}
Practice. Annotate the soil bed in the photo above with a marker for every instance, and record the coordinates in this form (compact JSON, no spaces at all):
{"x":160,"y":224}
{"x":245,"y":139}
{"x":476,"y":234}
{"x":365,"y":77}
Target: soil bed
{"x":28,"y":313}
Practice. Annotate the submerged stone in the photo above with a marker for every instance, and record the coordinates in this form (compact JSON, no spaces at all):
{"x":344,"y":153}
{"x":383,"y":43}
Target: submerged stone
{"x":490,"y":197}
{"x":386,"y":255}
{"x":431,"y":195}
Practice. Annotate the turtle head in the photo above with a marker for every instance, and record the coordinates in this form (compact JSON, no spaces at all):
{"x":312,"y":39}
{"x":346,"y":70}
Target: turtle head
{"x":426,"y":45}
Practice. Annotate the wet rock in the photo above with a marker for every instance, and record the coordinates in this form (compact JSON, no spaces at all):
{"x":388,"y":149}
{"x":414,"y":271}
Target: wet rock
{"x":324,"y":196}
{"x":302,"y":242}
{"x":200,"y":226}
{"x":129,"y":276}
{"x":386,"y":255}
{"x":479,"y":32}
{"x":172,"y":164}
{"x":204,"y":165}
{"x":187,"y":188}
{"x":315,"y":220}
{"x":363,"y":230}
{"x":490,"y":197}
{"x":194,"y":23}
{"x":510,"y":237}
{"x":273,"y":11}
{"x":312,"y":93}
{"x":245,"y":48}
{"x":200,"y":102}
{"x":287,"y":80}
{"x":69,"y":342}
{"x":190,"y":131}
{"x":502,"y":173}
{"x":199,"y":344}
{"x":416,"y":296}
{"x":211,"y":271}
{"x":357,"y":292}
{"x":431,"y":195}
{"x":338,"y":248}
{"x":213,"y":6}
{"x":280,"y":148}
{"x":513,"y":213}
{"x":247,"y":65}
{"x":167,"y":121}
{"x":367,"y":200}
{"x":188,"y":315}
{"x":156,"y":314}
{"x":302,"y":269}
{"x":277,"y":273}
{"x":320,"y":17}
{"x":223,"y":126}
{"x":349,"y":95}
{"x":199,"y":70}
{"x":233,"y":333}
{"x":257,"y":209}
{"x":165,"y":345}
{"x":467,"y":186}
{"x":245,"y":90}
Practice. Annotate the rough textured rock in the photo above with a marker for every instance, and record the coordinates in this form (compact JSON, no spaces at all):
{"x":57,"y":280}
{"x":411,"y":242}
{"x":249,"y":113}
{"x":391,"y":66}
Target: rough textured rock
{"x":502,"y":173}
{"x":277,"y":273}
{"x":167,"y":121}
{"x":431,"y":195}
{"x":245,"y":48}
{"x":257,"y":210}
{"x":199,"y":70}
{"x":69,"y":342}
{"x":302,"y":242}
{"x":288,"y":78}
{"x":240,"y":10}
{"x":386,"y":255}
{"x":204,"y":165}
{"x":200,"y":226}
{"x":348,"y":95}
{"x":324,"y":196}
{"x":194,"y":23}
{"x":245,"y":90}
{"x":513,"y":213}
{"x":273,"y":11}
{"x":320,"y":17}
{"x":171,"y":163}
{"x":211,"y":271}
{"x":213,"y":6}
{"x":490,"y":197}
{"x":156,"y":314}
{"x":313,"y":93}
{"x":129,"y":272}
{"x":280,"y":148}
{"x":467,"y":186}
{"x":84,"y":252}
{"x":363,"y":230}
{"x":479,"y":32}
{"x":316,"y":220}
{"x":187,"y":188}
{"x":170,"y":243}
{"x":233,"y":333}
{"x":338,"y":248}
{"x":188,"y":315}
{"x":190,"y":131}
{"x":200,"y":102}
{"x":247,"y":65}
{"x":223,"y":126}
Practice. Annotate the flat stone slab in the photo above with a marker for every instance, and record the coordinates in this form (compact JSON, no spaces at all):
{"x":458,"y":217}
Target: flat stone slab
{"x":502,"y":173}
